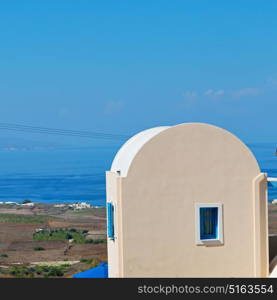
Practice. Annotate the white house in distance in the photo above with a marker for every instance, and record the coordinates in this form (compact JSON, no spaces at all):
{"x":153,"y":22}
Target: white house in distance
{"x":186,"y":201}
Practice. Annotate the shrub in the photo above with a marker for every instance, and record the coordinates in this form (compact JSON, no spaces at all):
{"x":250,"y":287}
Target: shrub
{"x":38,"y":248}
{"x":42,"y":271}
{"x":68,"y":236}
{"x":92,"y":262}
{"x":60,"y":234}
{"x":3,"y":255}
{"x":91,"y":241}
{"x":26,"y":201}
{"x":55,"y":272}
{"x":86,"y":260}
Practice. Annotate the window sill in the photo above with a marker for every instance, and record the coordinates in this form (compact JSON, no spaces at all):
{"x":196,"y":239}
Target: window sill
{"x":209,"y":242}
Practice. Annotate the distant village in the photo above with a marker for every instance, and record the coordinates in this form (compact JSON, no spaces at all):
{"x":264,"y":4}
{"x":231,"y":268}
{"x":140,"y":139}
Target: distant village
{"x":74,"y":206}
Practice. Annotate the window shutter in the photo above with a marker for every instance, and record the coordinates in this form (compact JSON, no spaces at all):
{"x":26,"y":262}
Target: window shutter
{"x":208,"y":223}
{"x":110,"y":217}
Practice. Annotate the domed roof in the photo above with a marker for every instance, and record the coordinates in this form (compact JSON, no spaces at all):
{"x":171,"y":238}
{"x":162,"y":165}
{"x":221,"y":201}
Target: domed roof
{"x":149,"y":147}
{"x":128,"y":151}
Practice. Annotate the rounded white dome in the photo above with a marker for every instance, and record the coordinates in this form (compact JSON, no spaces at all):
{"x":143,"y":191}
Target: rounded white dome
{"x":128,"y":151}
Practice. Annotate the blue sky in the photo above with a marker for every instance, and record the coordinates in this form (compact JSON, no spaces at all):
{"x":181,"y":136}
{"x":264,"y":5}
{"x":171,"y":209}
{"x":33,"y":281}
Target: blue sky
{"x":124,"y":66}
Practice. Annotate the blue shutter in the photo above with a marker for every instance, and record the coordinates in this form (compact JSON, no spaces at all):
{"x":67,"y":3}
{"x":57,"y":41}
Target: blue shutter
{"x":208,"y":223}
{"x":110,"y":217}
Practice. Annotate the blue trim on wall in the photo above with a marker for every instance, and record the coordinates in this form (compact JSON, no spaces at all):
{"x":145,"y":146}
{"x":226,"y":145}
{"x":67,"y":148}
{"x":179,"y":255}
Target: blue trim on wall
{"x":110,"y":216}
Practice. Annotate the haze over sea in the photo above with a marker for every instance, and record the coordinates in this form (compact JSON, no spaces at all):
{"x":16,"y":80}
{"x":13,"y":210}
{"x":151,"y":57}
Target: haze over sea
{"x":69,"y":175}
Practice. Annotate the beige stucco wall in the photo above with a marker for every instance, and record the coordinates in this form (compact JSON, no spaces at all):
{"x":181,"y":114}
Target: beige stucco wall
{"x":176,"y":169}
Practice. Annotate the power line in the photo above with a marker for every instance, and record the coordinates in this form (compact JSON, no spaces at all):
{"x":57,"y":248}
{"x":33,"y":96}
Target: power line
{"x":63,"y":132}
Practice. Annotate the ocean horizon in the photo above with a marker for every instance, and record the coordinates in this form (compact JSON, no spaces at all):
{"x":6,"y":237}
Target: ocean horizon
{"x":72,"y":174}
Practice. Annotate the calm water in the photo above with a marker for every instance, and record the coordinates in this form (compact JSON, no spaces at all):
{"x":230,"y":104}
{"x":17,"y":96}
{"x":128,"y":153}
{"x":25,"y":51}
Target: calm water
{"x":268,"y":163}
{"x":74,"y":175}
{"x":55,"y":176}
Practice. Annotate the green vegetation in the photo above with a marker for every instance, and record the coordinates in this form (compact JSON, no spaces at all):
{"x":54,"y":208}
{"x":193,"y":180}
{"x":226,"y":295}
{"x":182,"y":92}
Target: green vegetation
{"x":3,"y":255}
{"x":9,"y":218}
{"x":61,"y":234}
{"x":36,"y":271}
{"x":26,"y":201}
{"x":78,"y":236}
{"x":38,"y":248}
{"x":99,"y":241}
{"x":91,"y":262}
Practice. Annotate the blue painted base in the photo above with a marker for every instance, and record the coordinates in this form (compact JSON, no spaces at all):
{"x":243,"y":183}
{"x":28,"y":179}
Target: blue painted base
{"x":101,"y":271}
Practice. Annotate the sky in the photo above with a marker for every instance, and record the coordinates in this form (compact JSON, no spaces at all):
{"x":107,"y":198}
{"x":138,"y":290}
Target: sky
{"x":125,"y":66}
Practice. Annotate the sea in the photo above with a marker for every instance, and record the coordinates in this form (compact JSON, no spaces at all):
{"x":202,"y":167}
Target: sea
{"x":72,"y":174}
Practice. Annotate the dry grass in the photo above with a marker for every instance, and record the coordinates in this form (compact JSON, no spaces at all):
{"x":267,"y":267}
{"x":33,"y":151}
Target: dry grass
{"x":16,"y":238}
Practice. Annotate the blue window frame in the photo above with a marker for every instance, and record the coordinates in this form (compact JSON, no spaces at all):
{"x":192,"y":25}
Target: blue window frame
{"x":208,"y":223}
{"x":110,"y":217}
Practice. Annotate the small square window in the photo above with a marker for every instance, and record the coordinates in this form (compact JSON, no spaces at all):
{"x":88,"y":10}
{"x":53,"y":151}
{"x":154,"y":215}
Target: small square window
{"x":209,"y":224}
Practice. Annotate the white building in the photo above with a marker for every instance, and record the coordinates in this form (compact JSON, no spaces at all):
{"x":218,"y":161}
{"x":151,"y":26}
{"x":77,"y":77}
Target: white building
{"x":186,"y":201}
